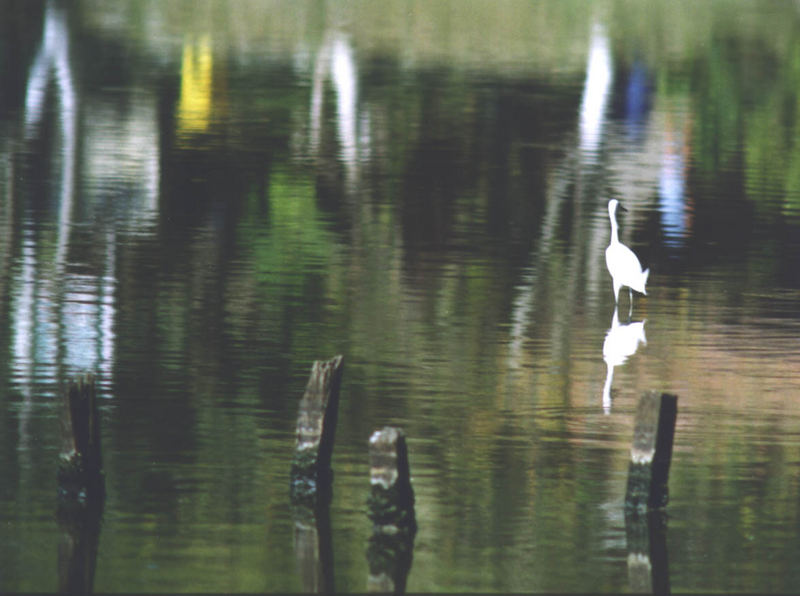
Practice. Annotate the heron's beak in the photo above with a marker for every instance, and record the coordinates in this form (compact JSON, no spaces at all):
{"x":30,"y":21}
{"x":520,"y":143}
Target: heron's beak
{"x":621,"y":207}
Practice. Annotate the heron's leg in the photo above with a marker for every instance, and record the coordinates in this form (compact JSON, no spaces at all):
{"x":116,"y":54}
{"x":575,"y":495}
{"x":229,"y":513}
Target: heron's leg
{"x":630,"y":304}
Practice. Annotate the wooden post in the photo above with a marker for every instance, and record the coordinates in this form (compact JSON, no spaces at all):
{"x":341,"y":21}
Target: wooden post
{"x":311,"y":474}
{"x":651,"y":452}
{"x":391,"y":509}
{"x":81,"y":487}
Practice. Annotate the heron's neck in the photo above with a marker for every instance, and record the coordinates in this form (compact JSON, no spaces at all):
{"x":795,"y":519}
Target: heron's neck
{"x":614,"y":233}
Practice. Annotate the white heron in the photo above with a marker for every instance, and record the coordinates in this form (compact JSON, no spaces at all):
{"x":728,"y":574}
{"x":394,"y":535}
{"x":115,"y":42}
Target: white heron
{"x":622,"y":263}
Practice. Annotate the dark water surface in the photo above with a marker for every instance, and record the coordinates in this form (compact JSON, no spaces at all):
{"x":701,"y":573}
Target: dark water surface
{"x":199,"y":199}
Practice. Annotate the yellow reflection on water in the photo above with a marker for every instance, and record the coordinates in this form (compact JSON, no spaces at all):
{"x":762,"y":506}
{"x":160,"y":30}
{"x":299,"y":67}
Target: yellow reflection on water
{"x":194,"y":104}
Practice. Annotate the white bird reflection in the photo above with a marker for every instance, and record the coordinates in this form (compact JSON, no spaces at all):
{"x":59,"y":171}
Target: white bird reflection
{"x":621,"y":342}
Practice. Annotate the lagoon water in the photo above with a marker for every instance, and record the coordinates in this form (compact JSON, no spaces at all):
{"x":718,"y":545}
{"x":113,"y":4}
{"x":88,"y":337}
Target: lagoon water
{"x":199,"y":199}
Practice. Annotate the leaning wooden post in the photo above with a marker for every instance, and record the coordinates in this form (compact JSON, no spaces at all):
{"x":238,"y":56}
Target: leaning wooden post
{"x":311,"y":474}
{"x":651,"y":452}
{"x":391,"y":509}
{"x":81,"y":487}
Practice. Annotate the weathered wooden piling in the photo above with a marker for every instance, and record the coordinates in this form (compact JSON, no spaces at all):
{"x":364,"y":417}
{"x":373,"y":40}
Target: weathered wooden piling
{"x":391,"y":500}
{"x":80,"y":472}
{"x":311,"y":474}
{"x":391,"y":509}
{"x":81,"y":487}
{"x":651,"y":452}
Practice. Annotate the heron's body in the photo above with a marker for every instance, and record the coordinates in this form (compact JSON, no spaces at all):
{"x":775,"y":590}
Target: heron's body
{"x":622,"y":263}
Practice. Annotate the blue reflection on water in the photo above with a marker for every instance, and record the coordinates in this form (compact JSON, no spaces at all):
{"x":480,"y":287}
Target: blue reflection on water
{"x":637,"y":101}
{"x":671,"y":184}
